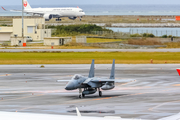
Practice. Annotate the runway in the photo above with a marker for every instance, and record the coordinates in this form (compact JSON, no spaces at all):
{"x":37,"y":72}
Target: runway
{"x":29,"y":88}
{"x":30,"y":49}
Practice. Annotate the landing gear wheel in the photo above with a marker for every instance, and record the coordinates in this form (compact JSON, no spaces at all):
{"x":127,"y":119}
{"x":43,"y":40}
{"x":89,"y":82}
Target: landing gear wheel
{"x":80,"y":96}
{"x":58,"y":19}
{"x":100,"y":94}
{"x":83,"y":95}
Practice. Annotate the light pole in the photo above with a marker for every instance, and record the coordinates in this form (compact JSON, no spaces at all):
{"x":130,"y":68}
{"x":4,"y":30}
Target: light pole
{"x":23,"y":20}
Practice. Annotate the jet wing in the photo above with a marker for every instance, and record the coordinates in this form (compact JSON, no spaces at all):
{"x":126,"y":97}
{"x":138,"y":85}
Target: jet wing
{"x":113,"y":80}
{"x":16,"y":10}
{"x":11,"y":10}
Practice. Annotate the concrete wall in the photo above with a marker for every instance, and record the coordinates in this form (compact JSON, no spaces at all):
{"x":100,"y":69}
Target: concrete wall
{"x":81,"y":39}
{"x":47,"y":33}
{"x":5,"y":33}
{"x":6,"y":29}
{"x":15,"y":41}
{"x":56,"y":40}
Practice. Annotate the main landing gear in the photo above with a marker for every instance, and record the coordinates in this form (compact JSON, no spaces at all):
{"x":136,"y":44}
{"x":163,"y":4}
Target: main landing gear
{"x":100,"y":93}
{"x":58,"y":19}
{"x":89,"y":91}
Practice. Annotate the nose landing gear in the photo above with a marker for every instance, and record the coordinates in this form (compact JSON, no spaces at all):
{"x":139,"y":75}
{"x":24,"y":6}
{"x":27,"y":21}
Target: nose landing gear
{"x":80,"y":93}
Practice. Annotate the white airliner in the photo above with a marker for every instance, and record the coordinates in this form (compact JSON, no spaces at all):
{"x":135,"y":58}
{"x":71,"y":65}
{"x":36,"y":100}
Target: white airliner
{"x":32,"y":116}
{"x":49,"y":13}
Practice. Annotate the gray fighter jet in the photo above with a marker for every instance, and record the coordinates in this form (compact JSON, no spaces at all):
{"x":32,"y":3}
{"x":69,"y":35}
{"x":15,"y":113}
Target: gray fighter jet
{"x":91,"y":84}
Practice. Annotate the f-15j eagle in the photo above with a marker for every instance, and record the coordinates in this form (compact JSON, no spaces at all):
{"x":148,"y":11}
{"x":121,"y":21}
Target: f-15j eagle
{"x":93,"y":84}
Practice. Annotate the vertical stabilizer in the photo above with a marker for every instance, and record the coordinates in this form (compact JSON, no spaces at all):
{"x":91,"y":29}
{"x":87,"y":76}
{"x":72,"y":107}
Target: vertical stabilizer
{"x":91,"y":72}
{"x":26,"y":5}
{"x":112,"y":76}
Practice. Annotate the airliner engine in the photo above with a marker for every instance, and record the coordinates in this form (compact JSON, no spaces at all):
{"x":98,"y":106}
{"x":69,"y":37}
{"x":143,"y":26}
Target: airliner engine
{"x":47,"y":17}
{"x":72,"y":18}
{"x":107,"y":87}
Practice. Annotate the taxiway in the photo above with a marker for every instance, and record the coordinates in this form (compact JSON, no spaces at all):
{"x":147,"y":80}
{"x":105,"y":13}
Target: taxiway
{"x":29,"y":88}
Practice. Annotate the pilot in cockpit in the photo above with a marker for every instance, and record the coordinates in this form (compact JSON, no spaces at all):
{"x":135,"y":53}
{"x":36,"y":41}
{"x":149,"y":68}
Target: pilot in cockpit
{"x":76,"y":77}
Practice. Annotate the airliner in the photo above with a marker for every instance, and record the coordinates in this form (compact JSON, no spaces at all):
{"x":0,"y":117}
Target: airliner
{"x":33,"y":116}
{"x":49,"y":13}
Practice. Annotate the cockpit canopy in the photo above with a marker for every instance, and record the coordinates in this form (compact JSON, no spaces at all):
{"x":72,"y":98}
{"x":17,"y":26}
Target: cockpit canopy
{"x":76,"y":77}
{"x":81,"y":11}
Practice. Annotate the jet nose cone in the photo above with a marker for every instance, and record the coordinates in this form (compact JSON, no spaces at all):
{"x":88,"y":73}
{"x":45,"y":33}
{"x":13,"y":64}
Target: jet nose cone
{"x":70,"y":86}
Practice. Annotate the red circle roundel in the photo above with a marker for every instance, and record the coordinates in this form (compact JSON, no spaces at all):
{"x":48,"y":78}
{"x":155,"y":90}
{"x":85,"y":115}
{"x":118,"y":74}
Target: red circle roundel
{"x":25,"y":3}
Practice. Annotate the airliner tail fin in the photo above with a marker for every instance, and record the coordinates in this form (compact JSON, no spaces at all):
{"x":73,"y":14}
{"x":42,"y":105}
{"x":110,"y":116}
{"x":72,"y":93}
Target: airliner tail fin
{"x":26,"y":5}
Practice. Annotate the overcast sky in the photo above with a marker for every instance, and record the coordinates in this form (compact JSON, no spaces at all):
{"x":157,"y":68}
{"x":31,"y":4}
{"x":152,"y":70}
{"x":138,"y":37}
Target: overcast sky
{"x":56,"y":2}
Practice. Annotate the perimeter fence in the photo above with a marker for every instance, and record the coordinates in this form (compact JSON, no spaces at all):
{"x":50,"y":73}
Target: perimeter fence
{"x":157,"y":33}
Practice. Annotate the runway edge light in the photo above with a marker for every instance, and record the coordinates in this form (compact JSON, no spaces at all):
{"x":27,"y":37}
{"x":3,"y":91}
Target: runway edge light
{"x":178,"y":70}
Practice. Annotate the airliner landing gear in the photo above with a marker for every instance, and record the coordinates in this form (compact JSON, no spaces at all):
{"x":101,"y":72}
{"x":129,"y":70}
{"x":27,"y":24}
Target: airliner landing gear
{"x":100,"y":93}
{"x":80,"y":93}
{"x":58,"y":19}
{"x":79,"y":18}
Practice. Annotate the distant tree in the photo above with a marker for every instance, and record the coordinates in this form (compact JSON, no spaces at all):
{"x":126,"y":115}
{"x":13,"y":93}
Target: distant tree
{"x":164,"y":36}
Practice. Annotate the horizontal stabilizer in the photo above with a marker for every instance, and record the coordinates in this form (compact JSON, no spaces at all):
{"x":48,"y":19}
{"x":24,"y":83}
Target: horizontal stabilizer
{"x":63,"y":80}
{"x":178,"y":70}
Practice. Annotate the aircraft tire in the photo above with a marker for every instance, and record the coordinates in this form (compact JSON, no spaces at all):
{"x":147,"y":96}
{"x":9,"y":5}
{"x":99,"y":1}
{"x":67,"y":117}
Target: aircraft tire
{"x":80,"y":96}
{"x":100,"y":94}
{"x":83,"y":95}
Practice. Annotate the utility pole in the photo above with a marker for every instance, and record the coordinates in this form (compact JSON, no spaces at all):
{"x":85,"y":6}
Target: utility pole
{"x":23,"y":20}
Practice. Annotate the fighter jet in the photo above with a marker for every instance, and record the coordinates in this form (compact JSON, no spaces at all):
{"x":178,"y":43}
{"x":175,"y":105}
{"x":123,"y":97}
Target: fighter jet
{"x":93,"y":84}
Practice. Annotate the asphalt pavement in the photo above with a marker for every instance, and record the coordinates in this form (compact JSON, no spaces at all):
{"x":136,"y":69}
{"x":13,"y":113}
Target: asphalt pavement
{"x":29,"y":88}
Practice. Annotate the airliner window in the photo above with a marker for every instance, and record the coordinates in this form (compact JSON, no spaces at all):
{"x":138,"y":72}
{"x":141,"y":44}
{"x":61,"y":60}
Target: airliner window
{"x":81,"y":11}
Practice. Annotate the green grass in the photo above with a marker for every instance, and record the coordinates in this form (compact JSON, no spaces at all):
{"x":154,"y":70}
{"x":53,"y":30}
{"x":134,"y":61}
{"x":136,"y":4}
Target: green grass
{"x":85,"y":58}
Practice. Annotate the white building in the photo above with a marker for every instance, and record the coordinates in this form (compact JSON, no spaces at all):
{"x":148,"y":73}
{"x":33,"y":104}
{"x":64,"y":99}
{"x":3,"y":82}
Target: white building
{"x":34,"y":28}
